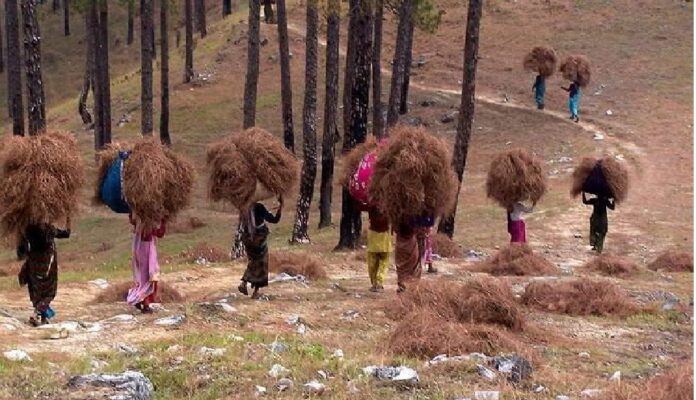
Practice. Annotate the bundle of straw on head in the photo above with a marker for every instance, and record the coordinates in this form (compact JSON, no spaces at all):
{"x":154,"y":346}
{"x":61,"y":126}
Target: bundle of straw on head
{"x":105,"y":158}
{"x":351,"y":161}
{"x":230,"y":177}
{"x":515,"y":176}
{"x":157,"y":183}
{"x":610,"y":178}
{"x":40,"y":178}
{"x":576,"y":68}
{"x":542,"y":60}
{"x":413,"y":176}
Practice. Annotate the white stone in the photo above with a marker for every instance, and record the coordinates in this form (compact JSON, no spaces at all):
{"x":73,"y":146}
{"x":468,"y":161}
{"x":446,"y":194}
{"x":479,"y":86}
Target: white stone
{"x":278,"y":371}
{"x":314,"y":387}
{"x":616,"y":377}
{"x":561,"y":397}
{"x":260,"y":390}
{"x":100,"y":283}
{"x":17,"y":355}
{"x":338,"y":353}
{"x":485,"y":372}
{"x":207,"y":351}
{"x":121,"y":318}
{"x":226,"y":308}
{"x":284,"y":384}
{"x":591,"y":393}
{"x":171,"y":320}
{"x":487,"y":395}
{"x":584,"y":354}
{"x":598,"y":136}
{"x":236,"y":338}
{"x":293,"y":320}
{"x":301,"y":329}
{"x":609,"y":112}
{"x":98,"y":364}
{"x":70,"y":326}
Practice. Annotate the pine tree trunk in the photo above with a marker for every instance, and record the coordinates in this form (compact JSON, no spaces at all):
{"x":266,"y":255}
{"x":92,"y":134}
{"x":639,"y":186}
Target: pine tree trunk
{"x":188,"y":21}
{"x":152,"y":32}
{"x":399,"y":66}
{"x":300,"y":233}
{"x":14,"y":68}
{"x":200,"y":18}
{"x":285,"y":83}
{"x":226,"y":8}
{"x":93,"y":41}
{"x":328,"y":147}
{"x":36,"y":100}
{"x":377,"y":112}
{"x":104,"y":78}
{"x":2,"y":53}
{"x":252,"y":73}
{"x":66,"y":17}
{"x":131,"y":17}
{"x":408,"y":60}
{"x":146,"y":46}
{"x":164,"y":73}
{"x":348,"y":76}
{"x":56,"y":6}
{"x":466,"y":110}
{"x":89,"y":70}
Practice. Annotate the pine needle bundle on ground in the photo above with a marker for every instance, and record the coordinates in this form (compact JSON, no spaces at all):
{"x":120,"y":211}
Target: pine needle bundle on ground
{"x":352,"y":160}
{"x":422,"y":334}
{"x":413,"y":176}
{"x":517,"y":259}
{"x":576,"y":68}
{"x":203,"y":251}
{"x":515,"y":176}
{"x":579,"y":297}
{"x":542,"y":60}
{"x":157,"y":183}
{"x":675,"y":384}
{"x":246,"y":164}
{"x":673,"y":261}
{"x":40,"y":177}
{"x":118,"y":292}
{"x":296,"y":263}
{"x":611,"y":266}
{"x":478,"y":301}
{"x":446,"y":247}
{"x":606,"y":177}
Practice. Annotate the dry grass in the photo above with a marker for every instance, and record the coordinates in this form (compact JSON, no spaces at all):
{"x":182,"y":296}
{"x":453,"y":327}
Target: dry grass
{"x":204,"y":251}
{"x":515,"y":176}
{"x":579,"y":297}
{"x":577,"y":68}
{"x":296,"y":263}
{"x":676,"y":384}
{"x":40,"y":177}
{"x":477,"y":301}
{"x":230,"y":177}
{"x":606,"y":177}
{"x":542,"y":60}
{"x":611,"y":266}
{"x":118,"y":292}
{"x":517,"y":259}
{"x":673,"y":261}
{"x":446,"y":247}
{"x":413,"y":175}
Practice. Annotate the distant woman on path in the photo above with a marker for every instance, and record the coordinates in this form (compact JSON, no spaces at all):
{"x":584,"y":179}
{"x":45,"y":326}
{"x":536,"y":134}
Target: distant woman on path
{"x":599,"y":223}
{"x":406,"y":256}
{"x":573,"y":100}
{"x":516,"y":226}
{"x":40,"y":269}
{"x":539,"y":89}
{"x":255,"y":239}
{"x":146,"y":269}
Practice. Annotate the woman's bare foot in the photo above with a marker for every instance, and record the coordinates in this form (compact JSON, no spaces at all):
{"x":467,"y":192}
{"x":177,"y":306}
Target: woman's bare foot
{"x":243,"y":288}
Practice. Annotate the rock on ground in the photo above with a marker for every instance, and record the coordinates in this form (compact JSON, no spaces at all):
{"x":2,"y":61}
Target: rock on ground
{"x":130,"y":385}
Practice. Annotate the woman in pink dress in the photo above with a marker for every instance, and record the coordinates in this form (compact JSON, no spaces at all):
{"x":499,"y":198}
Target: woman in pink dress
{"x":516,"y":226}
{"x":146,"y":268}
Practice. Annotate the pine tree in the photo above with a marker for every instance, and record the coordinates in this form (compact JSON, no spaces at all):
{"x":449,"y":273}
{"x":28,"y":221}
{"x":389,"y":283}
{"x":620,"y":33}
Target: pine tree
{"x":146,"y":46}
{"x":399,"y":65}
{"x":14,"y":68}
{"x":252,"y":72}
{"x":285,"y":76}
{"x":66,"y":17}
{"x":165,"y":138}
{"x":201,"y":24}
{"x":36,"y":100}
{"x":131,"y":17}
{"x":188,"y":21}
{"x":377,"y":111}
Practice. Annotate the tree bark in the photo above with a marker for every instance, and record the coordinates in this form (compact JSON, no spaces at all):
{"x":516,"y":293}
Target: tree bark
{"x":466,"y":110}
{"x":165,"y":138}
{"x":55,"y":6}
{"x":146,"y":46}
{"x":2,"y":55}
{"x":403,"y":104}
{"x":226,"y":8}
{"x":300,"y":232}
{"x":348,"y":76}
{"x":66,"y":17}
{"x":201,"y":24}
{"x":14,"y":68}
{"x":188,"y":21}
{"x":131,"y":17}
{"x":252,"y":73}
{"x":328,"y":148}
{"x":36,"y":100}
{"x":93,"y":41}
{"x":399,"y":65}
{"x":285,"y":76}
{"x":377,"y":109}
{"x":89,"y":70}
{"x":103,"y":76}
{"x":152,"y":31}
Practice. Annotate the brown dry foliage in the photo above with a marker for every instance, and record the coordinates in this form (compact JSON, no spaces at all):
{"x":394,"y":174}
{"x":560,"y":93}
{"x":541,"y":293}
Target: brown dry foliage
{"x":579,"y":297}
{"x":476,"y":301}
{"x":423,"y":334}
{"x":446,"y":247}
{"x":676,"y":384}
{"x":614,"y":171}
{"x":296,"y":263}
{"x":517,"y":259}
{"x":515,"y":176}
{"x":40,"y":178}
{"x":413,"y":175}
{"x":202,"y":250}
{"x":577,"y":68}
{"x":611,"y":266}
{"x":118,"y":292}
{"x":241,"y":161}
{"x":673,"y":261}
{"x":542,"y":60}
{"x":581,"y":173}
{"x":352,"y":160}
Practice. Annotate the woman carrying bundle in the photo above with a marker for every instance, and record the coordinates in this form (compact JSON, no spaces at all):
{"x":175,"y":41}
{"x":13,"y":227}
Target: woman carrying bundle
{"x":539,"y":89}
{"x":599,"y":223}
{"x":424,"y":226}
{"x":379,"y":246}
{"x":146,"y":269}
{"x":573,"y":100}
{"x":40,"y":269}
{"x":406,"y":256}
{"x":255,"y":239}
{"x":516,"y":226}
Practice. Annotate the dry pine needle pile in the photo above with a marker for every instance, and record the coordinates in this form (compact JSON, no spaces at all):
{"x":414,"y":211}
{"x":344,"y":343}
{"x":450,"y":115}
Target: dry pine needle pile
{"x":515,"y":176}
{"x":576,"y":68}
{"x":614,"y":178}
{"x":542,"y":60}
